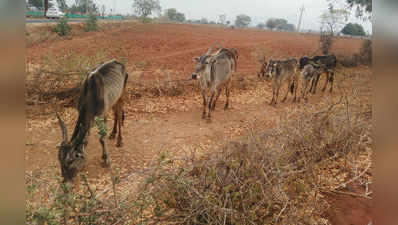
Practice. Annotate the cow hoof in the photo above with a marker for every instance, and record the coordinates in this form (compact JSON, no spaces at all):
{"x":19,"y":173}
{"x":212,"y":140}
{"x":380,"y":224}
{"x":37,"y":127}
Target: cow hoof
{"x":105,"y":163}
{"x":119,"y":144}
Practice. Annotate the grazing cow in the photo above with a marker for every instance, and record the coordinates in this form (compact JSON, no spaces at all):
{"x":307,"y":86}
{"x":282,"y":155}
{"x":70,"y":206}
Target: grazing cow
{"x":327,"y":64}
{"x":308,"y":73}
{"x":214,"y":72}
{"x":101,"y":91}
{"x":280,"y":72}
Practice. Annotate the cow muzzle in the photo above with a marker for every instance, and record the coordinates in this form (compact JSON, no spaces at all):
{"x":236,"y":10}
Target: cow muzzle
{"x":195,"y":76}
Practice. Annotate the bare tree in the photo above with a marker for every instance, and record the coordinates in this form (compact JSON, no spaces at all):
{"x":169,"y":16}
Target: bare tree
{"x":144,"y":8}
{"x":333,"y":20}
{"x":222,"y":18}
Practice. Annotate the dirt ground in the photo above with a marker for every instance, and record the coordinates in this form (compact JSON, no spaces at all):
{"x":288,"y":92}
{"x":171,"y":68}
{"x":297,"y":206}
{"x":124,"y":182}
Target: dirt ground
{"x":173,"y":124}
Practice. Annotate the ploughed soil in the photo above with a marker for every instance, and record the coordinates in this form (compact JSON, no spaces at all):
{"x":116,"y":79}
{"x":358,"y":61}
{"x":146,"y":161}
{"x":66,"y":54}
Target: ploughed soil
{"x":173,"y":124}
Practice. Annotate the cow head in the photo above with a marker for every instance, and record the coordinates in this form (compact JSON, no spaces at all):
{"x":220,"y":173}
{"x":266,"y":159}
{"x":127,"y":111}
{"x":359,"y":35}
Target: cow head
{"x":272,"y":69}
{"x":202,"y":62}
{"x":71,"y":154}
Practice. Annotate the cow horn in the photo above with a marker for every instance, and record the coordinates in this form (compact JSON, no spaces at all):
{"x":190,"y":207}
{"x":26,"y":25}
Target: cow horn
{"x":210,"y":50}
{"x":63,"y":128}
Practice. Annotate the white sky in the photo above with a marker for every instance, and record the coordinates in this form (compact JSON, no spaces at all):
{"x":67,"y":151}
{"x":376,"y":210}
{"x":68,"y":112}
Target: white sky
{"x":258,"y":10}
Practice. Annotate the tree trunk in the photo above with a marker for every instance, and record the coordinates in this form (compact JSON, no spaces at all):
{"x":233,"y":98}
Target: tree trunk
{"x":45,"y":7}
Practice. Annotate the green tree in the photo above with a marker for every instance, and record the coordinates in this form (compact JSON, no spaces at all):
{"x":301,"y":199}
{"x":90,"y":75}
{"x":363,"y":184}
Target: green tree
{"x":39,"y":3}
{"x":242,"y":20}
{"x":204,"y":21}
{"x":353,"y":29}
{"x":260,"y":26}
{"x":280,"y":24}
{"x":62,"y":5}
{"x":271,"y":24}
{"x":173,"y":15}
{"x":144,"y":8}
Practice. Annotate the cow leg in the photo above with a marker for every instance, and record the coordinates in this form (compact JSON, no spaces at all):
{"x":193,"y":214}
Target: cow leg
{"x":204,"y":104}
{"x":326,"y":81}
{"x":227,"y":94}
{"x":315,"y":83}
{"x":119,"y":142}
{"x":287,"y":91}
{"x":331,"y":80}
{"x":105,"y":160}
{"x":295,"y":82}
{"x":303,"y":88}
{"x":277,"y":94}
{"x":115,"y":121}
{"x":217,"y":96}
{"x":273,"y":95}
{"x":210,"y":104}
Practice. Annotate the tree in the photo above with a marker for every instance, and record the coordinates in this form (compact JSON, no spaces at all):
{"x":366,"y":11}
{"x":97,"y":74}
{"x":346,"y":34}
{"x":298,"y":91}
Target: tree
{"x":270,"y":24}
{"x":144,"y":8}
{"x":333,"y":20}
{"x":39,"y":3}
{"x":242,"y":20}
{"x":222,"y":18}
{"x":353,"y":29}
{"x":62,"y":5}
{"x":362,"y":7}
{"x":280,"y":24}
{"x":84,"y":7}
{"x":286,"y":26}
{"x":173,"y":15}
{"x":260,"y":26}
{"x":103,"y":9}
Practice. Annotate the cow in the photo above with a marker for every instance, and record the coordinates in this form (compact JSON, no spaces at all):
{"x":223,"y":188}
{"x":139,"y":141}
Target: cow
{"x":102,"y":90}
{"x":214,"y":72}
{"x":280,"y":72}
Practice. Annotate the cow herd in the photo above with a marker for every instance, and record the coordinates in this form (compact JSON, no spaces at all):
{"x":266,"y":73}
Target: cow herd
{"x":104,"y":87}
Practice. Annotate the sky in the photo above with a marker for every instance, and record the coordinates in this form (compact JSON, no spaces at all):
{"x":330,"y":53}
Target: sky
{"x":258,"y":10}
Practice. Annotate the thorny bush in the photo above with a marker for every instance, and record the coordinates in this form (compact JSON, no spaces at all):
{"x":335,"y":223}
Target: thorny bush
{"x":269,"y":178}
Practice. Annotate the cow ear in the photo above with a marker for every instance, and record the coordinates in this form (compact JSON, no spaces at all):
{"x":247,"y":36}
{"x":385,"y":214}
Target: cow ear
{"x":195,"y":59}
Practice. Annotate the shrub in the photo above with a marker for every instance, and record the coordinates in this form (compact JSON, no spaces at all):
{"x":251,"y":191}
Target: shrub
{"x":366,"y":52}
{"x":91,"y":23}
{"x":63,"y":28}
{"x":269,"y":178}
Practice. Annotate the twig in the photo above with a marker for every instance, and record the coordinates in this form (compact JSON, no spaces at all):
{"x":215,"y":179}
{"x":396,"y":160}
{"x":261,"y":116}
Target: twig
{"x":355,"y":178}
{"x":280,"y":213}
{"x":345,"y":193}
{"x":61,"y":73}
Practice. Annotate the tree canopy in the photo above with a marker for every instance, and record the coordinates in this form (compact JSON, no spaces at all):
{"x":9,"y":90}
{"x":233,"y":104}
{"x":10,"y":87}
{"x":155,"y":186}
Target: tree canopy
{"x":173,"y":15}
{"x":144,"y":8}
{"x":333,"y":20}
{"x":280,"y":24}
{"x":353,"y":29}
{"x":242,"y":20}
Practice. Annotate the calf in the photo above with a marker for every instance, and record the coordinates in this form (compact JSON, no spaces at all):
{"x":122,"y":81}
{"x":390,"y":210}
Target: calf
{"x":308,"y":73}
{"x":327,"y":64}
{"x":280,"y":72}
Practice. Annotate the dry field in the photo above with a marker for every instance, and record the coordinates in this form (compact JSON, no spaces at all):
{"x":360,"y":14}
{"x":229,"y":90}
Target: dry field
{"x":163,"y":114}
